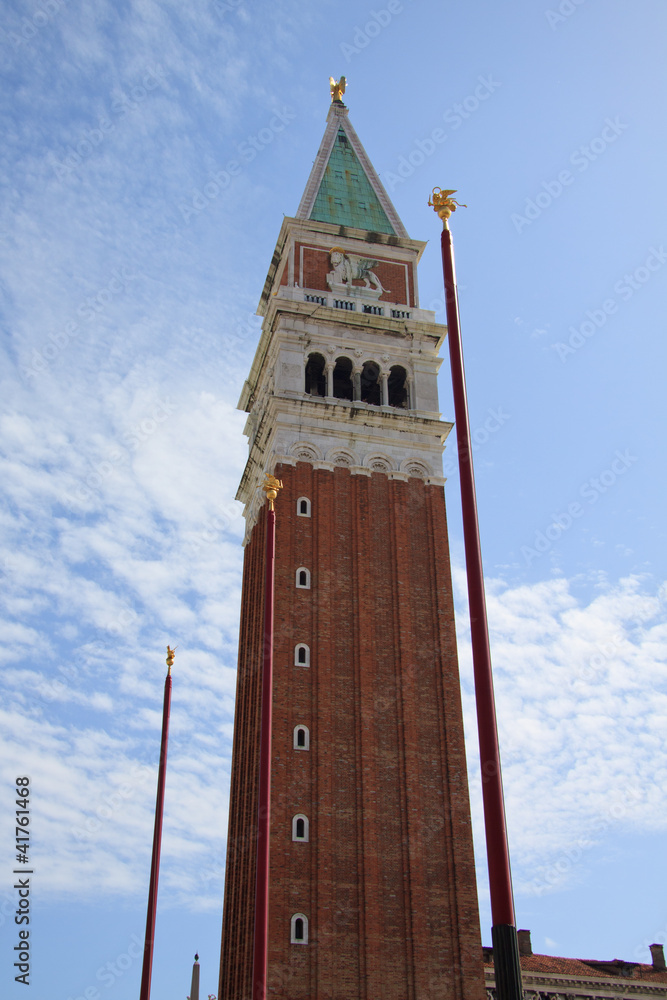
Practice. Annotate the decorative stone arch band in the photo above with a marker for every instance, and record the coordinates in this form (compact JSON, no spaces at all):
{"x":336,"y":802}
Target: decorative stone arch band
{"x":341,"y":457}
{"x":379,"y":463}
{"x":306,"y":451}
{"x":416,"y":468}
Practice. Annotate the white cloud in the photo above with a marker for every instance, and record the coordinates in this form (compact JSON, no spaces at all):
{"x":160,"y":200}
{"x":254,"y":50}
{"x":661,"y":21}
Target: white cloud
{"x":582,"y":706}
{"x":148,"y":552}
{"x":581,"y":693}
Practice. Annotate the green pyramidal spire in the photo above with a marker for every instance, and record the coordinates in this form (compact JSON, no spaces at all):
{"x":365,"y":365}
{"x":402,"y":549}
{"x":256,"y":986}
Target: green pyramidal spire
{"x":345,"y":196}
{"x":343,"y":188}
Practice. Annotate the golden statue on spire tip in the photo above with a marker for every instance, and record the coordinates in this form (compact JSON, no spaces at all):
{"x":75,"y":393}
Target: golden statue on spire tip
{"x":337,"y":89}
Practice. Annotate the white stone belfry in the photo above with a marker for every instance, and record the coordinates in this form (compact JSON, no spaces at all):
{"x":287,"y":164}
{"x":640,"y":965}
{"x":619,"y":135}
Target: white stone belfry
{"x":346,"y":368}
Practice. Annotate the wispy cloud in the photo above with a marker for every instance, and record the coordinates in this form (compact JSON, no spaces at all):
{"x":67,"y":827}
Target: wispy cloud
{"x":581,"y":693}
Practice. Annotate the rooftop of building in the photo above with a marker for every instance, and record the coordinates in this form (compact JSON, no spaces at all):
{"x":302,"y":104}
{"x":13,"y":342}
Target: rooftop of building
{"x":655,"y":972}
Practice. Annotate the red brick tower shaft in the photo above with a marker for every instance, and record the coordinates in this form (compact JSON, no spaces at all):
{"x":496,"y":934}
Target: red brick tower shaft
{"x":386,"y":877}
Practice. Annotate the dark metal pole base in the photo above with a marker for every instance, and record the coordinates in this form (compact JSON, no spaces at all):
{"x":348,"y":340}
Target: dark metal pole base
{"x":506,"y":962}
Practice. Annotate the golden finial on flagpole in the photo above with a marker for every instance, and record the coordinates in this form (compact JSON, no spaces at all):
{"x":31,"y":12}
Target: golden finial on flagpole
{"x":271,"y":487}
{"x":444,"y":204}
{"x":171,"y":655}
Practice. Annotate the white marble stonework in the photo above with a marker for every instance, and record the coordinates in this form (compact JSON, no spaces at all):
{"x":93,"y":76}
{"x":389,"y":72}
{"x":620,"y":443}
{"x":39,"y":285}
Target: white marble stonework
{"x":550,"y":986}
{"x":352,"y":316}
{"x":286,"y":424}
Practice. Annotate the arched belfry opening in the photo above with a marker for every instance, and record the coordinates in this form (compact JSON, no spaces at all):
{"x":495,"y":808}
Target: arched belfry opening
{"x":398,"y":387}
{"x":371,"y":391}
{"x":342,"y":379}
{"x":316,"y":381}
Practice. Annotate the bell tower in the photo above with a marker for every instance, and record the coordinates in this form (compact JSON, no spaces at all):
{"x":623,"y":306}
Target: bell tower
{"x":372,"y":881}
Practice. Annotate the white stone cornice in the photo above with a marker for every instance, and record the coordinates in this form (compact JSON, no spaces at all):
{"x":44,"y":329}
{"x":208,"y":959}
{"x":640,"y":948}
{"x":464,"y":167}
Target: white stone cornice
{"x":362,"y":438}
{"x":583,"y":986}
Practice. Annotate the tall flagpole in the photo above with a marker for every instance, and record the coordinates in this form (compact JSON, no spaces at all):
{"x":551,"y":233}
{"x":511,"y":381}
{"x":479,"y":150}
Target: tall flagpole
{"x":261,"y":936}
{"x":147,"y":969}
{"x":504,"y":936}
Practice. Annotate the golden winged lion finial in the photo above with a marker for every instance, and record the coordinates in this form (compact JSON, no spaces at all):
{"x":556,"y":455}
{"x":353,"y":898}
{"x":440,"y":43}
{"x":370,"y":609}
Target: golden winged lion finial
{"x":444,"y":204}
{"x":271,"y":487}
{"x":337,"y":89}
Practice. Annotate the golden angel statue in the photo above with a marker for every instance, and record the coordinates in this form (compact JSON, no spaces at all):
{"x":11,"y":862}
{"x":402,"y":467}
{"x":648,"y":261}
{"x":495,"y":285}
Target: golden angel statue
{"x":337,"y":89}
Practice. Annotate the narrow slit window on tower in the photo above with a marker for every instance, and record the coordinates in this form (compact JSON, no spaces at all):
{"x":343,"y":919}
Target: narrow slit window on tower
{"x":398,"y":389}
{"x":342,"y":379}
{"x":299,"y":929}
{"x":303,"y":578}
{"x":316,"y":380}
{"x":301,"y":738}
{"x":370,"y":384}
{"x":300,"y":828}
{"x":303,"y":507}
{"x":301,"y":655}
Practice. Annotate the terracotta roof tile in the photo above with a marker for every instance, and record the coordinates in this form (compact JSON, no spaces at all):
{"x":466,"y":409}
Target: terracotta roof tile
{"x":577,"y":967}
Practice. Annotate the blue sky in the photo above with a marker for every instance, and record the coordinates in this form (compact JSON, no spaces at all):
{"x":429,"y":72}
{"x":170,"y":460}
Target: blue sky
{"x":133,"y":258}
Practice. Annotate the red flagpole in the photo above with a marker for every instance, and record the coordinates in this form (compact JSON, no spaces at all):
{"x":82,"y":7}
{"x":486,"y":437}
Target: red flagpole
{"x":261,"y":936}
{"x":505,"y":942}
{"x":147,"y":969}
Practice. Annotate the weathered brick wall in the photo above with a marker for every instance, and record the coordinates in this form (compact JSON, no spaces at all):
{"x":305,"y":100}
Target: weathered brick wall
{"x":238,"y":907}
{"x":387,"y":878}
